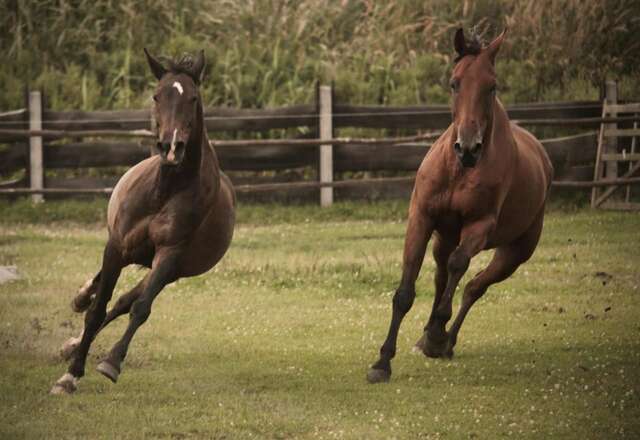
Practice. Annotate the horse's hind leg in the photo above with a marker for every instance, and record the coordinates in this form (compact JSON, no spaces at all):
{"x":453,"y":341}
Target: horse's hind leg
{"x":473,"y":239}
{"x":163,"y":272}
{"x":124,"y":303}
{"x":111,"y":267}
{"x":86,"y":293}
{"x":504,"y":263}
{"x":122,"y":306}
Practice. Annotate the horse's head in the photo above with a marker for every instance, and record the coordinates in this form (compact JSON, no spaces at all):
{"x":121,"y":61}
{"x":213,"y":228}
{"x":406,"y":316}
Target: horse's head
{"x":473,"y":88}
{"x":177,"y":106}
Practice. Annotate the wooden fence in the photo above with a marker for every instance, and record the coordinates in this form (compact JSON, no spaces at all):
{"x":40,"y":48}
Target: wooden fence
{"x":79,"y":139}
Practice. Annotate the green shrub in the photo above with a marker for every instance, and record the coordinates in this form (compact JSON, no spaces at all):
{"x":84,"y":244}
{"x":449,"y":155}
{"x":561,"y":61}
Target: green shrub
{"x":88,"y":54}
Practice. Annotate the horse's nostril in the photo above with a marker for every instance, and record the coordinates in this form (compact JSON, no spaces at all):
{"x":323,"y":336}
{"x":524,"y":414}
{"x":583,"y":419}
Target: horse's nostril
{"x":457,"y":147}
{"x":163,"y":147}
{"x":179,"y":145}
{"x":477,"y":147}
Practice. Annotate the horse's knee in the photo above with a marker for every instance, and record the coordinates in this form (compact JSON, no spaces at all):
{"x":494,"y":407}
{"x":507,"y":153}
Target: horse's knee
{"x":441,"y":252}
{"x":403,"y":299}
{"x":123,"y":304}
{"x":140,"y":311}
{"x":458,"y":262}
{"x":94,"y":317}
{"x":473,"y":291}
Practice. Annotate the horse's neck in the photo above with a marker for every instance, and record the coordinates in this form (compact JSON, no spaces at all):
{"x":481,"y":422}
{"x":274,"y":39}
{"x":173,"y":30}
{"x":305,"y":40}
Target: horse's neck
{"x":501,"y":137}
{"x":209,"y":165}
{"x":171,"y":180}
{"x":208,"y":168}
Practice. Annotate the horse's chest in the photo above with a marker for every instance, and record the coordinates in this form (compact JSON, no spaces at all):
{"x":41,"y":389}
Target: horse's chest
{"x":473,"y":199}
{"x":168,"y":227}
{"x":135,"y":244}
{"x":171,"y":227}
{"x":459,"y":202}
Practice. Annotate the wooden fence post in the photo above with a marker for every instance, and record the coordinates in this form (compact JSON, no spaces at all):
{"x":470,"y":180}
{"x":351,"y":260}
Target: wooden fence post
{"x":611,"y":143}
{"x":36,"y":166}
{"x":326,"y":151}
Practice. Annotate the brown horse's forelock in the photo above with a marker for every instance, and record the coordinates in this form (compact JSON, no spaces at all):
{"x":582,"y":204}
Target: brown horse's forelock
{"x":184,"y":64}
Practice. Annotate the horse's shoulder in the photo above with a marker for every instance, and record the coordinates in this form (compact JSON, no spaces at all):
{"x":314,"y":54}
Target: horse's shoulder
{"x":433,"y":180}
{"x":141,"y":170}
{"x":435,"y":156}
{"x":127,"y":185}
{"x":525,"y":141}
{"x":531,"y":149}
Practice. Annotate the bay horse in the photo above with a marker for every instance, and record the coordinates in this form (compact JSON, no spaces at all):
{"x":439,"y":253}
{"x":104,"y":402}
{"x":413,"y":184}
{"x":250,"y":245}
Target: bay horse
{"x":173,"y":213}
{"x":483,"y":185}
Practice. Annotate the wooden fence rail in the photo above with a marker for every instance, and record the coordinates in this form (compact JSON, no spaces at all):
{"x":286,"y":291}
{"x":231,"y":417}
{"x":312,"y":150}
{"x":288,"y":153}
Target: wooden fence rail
{"x":122,"y":138}
{"x":435,"y":117}
{"x":312,"y":184}
{"x":350,"y":154}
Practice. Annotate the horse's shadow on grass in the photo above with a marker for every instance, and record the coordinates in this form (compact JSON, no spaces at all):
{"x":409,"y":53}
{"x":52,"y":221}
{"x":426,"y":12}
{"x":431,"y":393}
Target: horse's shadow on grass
{"x":496,"y":366}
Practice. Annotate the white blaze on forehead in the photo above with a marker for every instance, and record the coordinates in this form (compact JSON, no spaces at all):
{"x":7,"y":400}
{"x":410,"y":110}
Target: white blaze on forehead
{"x":178,"y":86}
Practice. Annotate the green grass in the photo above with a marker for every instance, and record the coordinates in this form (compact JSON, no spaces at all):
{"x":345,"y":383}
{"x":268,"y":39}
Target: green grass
{"x":275,"y":341}
{"x":93,"y":211}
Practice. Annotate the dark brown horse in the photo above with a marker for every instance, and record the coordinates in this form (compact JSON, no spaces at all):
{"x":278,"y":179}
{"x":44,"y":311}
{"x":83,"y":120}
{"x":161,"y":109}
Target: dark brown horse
{"x":173,"y":213}
{"x":483,"y":185}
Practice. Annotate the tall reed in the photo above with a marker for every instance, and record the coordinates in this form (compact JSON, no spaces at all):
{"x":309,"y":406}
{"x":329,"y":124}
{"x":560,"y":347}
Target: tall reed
{"x":88,"y":54}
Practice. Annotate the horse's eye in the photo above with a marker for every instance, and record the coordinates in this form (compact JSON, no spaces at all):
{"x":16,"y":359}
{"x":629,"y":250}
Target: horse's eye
{"x":455,"y":85}
{"x":155,"y":98}
{"x":194,"y":99}
{"x":493,"y":89}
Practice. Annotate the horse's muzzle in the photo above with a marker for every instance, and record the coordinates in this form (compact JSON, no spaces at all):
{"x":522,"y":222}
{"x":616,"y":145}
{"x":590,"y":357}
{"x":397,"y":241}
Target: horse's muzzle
{"x":468,"y":157}
{"x":171,"y":154}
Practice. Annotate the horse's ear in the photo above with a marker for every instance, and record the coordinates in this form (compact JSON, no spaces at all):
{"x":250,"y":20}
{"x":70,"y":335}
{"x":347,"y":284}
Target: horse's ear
{"x":460,"y":43}
{"x":198,"y":66}
{"x":157,"y":68}
{"x":492,"y":49}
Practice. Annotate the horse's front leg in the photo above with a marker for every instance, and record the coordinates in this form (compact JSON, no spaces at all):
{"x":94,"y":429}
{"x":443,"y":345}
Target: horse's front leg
{"x":86,"y":294}
{"x":112,"y":265}
{"x":419,"y":230}
{"x":122,"y":306}
{"x":473,"y":239}
{"x":164,"y":271}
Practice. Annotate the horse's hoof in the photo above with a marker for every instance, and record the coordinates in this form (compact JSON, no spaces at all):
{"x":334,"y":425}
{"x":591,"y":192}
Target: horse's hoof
{"x":68,"y":348}
{"x":375,"y":375}
{"x":437,"y":349}
{"x":83,"y":299}
{"x":67,"y":384}
{"x":109,"y":370}
{"x":81,"y":302}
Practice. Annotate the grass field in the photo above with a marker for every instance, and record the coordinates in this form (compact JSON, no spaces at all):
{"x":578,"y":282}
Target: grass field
{"x":275,"y":342}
